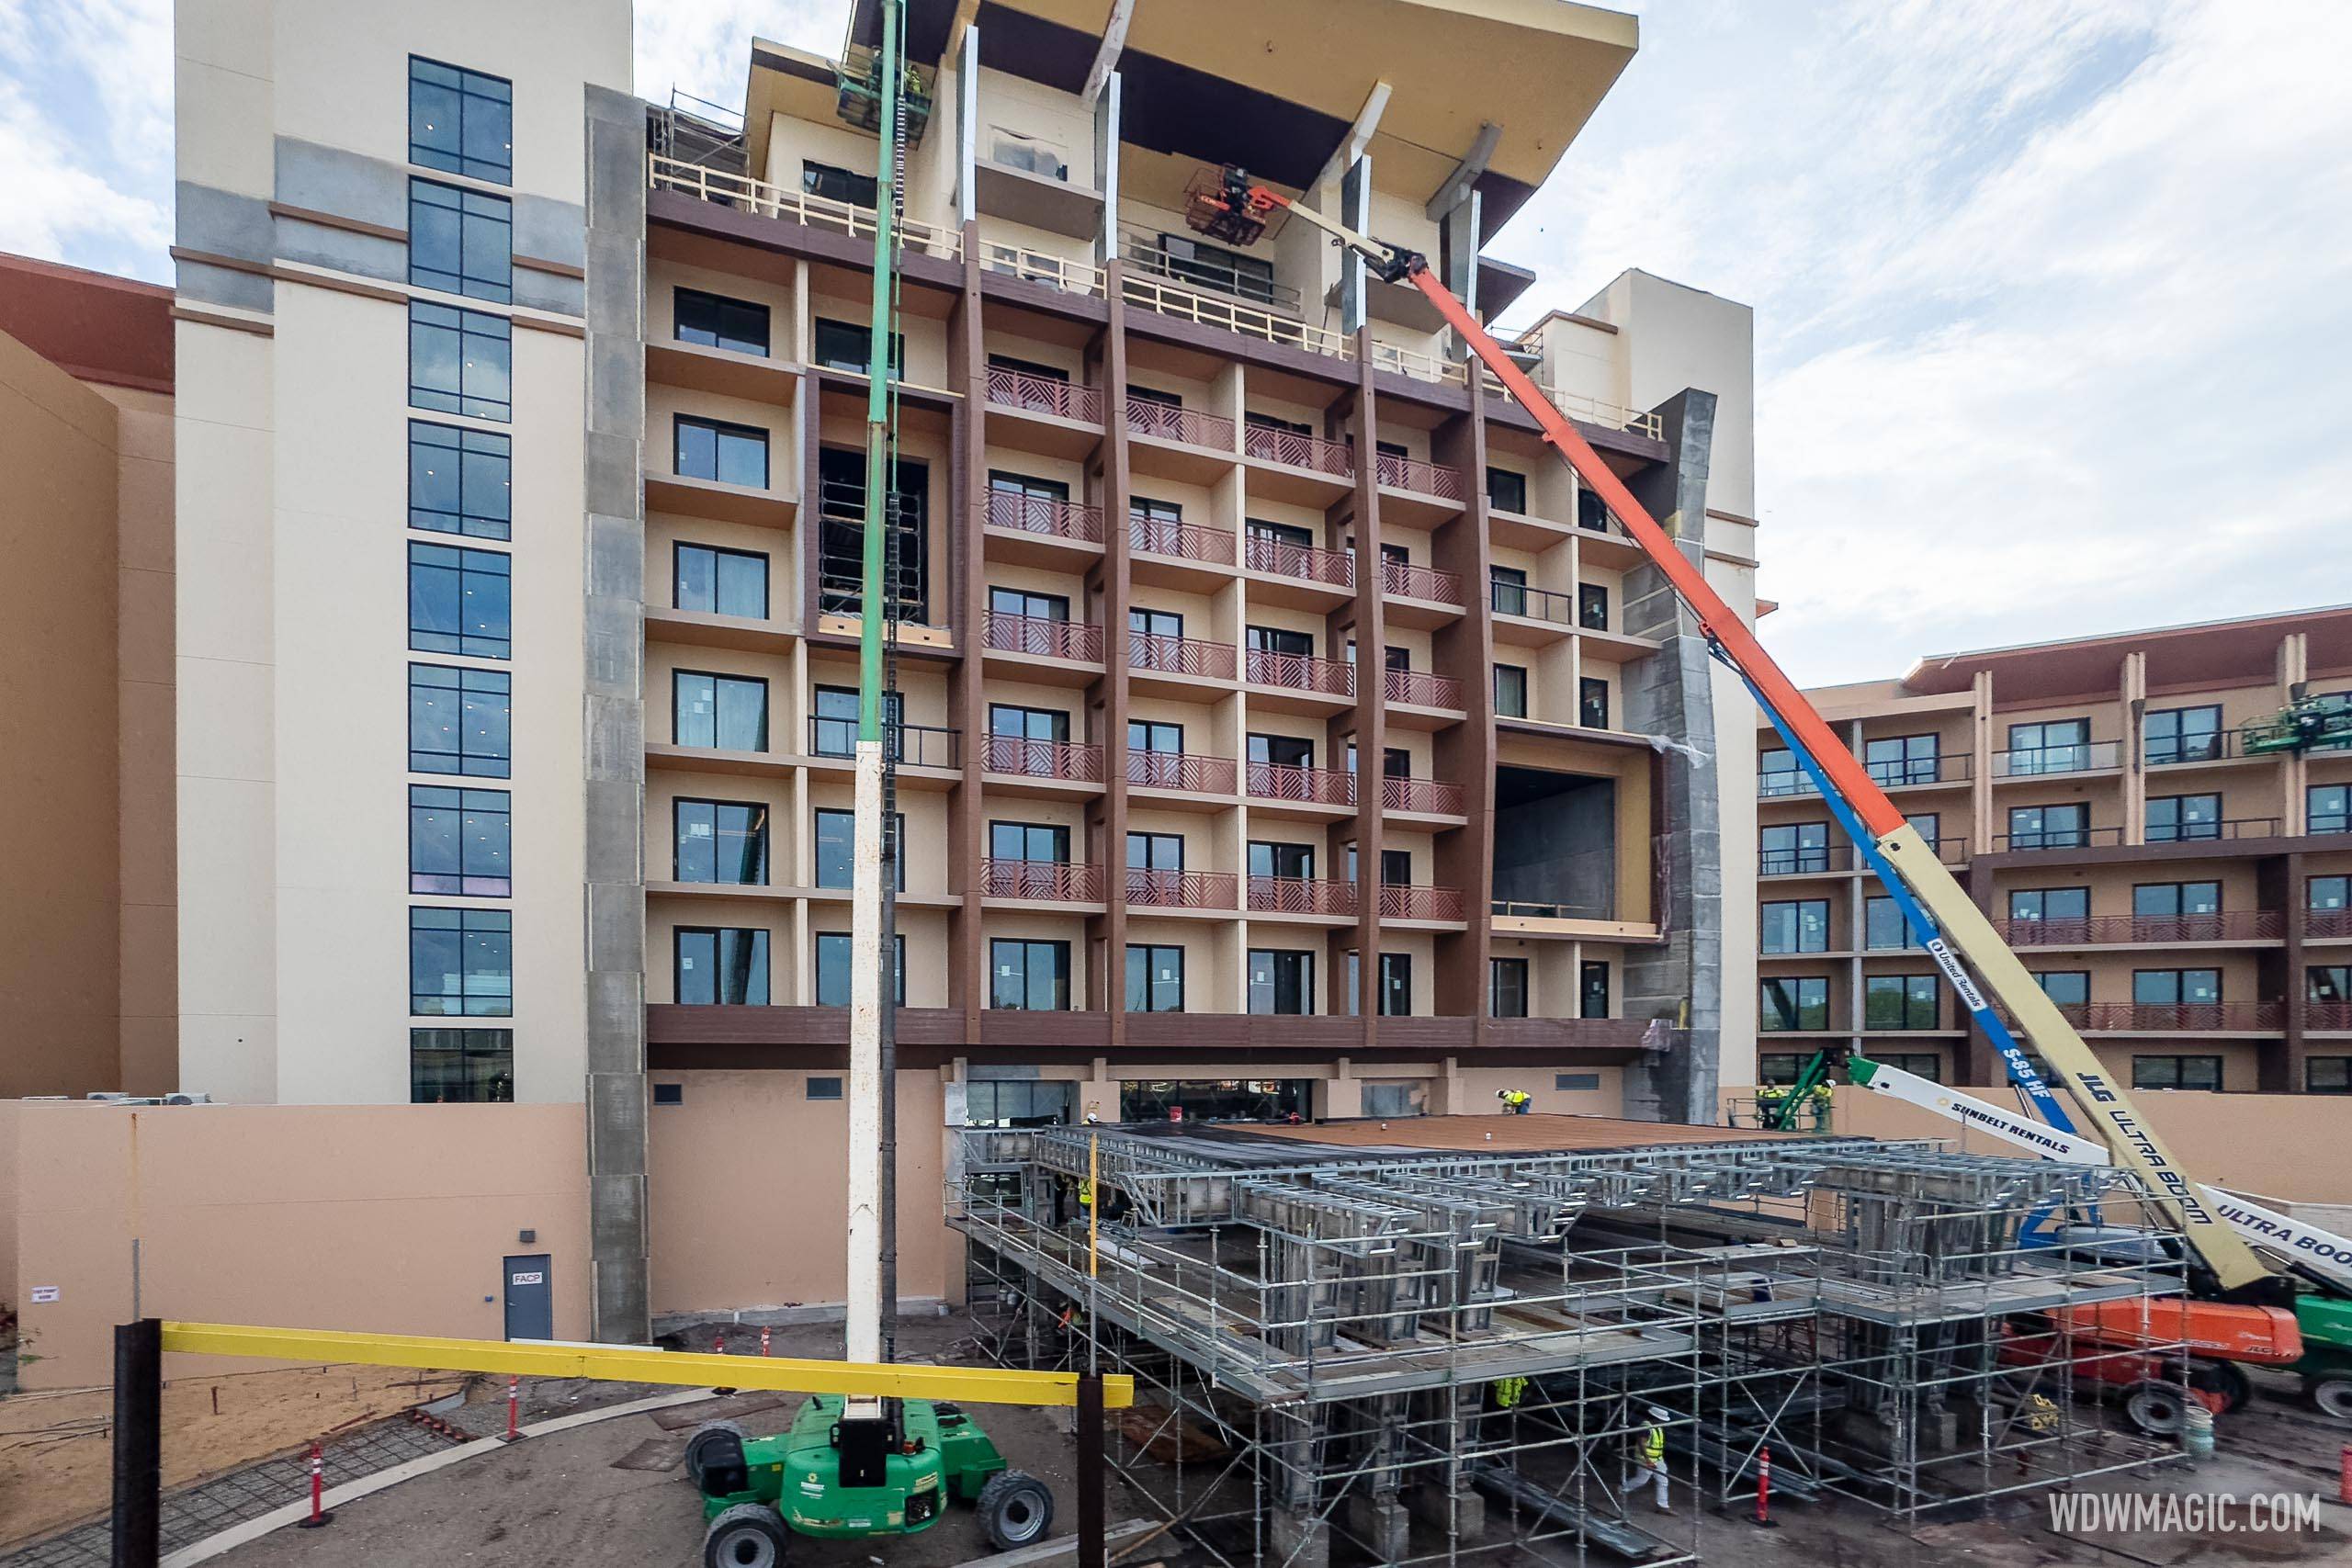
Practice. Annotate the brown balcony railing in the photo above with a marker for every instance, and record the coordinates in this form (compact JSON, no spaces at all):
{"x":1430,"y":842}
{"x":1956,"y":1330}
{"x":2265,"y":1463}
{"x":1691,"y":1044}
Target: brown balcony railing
{"x":1182,"y":890}
{"x":1191,"y":541}
{"x":1301,"y":896}
{"x":1433,"y":796}
{"x":1044,"y":759}
{"x":2327,"y":922}
{"x":1169,"y":423}
{"x":2055,"y":839}
{"x":1411,"y":581}
{"x":1043,"y":638}
{"x":2098,"y":931}
{"x":1181,"y":770}
{"x":2233,"y":827}
{"x":1423,"y":688}
{"x":1399,"y":902}
{"x":1060,"y":881}
{"x":1308,"y":786}
{"x":1279,"y":559}
{"x":1045,"y":515}
{"x":1179,"y":655}
{"x":1427,"y":478}
{"x":2330,"y":1016}
{"x":1299,"y":451}
{"x":1302,"y":672}
{"x":1044,"y":394}
{"x":2164,"y":1018}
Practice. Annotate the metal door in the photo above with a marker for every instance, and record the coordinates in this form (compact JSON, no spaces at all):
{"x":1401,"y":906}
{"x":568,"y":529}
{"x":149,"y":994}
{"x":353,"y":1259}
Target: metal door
{"x":530,"y":1300}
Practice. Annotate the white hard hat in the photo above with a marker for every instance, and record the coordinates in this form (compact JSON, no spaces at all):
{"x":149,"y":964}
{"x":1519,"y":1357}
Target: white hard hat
{"x":1659,"y":1414}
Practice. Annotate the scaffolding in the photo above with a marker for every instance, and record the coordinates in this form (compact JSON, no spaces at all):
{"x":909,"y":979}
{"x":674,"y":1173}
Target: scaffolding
{"x":1412,"y":1356}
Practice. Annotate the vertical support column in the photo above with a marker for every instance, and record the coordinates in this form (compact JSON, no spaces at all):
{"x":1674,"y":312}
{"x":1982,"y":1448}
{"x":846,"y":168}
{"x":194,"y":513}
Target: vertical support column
{"x":613,"y":718}
{"x":1458,"y":243}
{"x":966,"y":689}
{"x":1371,"y":694}
{"x":967,"y":135}
{"x":2132,"y":691}
{"x":1090,"y":1548}
{"x":1464,"y":753}
{"x":1671,"y":692}
{"x":138,"y":1443}
{"x":1106,"y":174}
{"x":1114,"y":592}
{"x":1355,"y":212}
{"x":2278,"y":885}
{"x":2294,"y":773}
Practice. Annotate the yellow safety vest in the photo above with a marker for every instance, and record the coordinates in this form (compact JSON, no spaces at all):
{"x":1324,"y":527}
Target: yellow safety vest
{"x":1509,"y":1392}
{"x":1086,"y":1194}
{"x":1654,"y":1445}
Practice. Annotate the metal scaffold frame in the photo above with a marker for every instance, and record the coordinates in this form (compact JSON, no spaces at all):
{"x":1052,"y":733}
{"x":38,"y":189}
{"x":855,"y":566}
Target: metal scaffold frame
{"x":1432,"y":1355}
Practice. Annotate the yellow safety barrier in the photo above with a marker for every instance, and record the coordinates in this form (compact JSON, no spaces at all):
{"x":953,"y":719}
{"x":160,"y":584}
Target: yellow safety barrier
{"x":622,"y":1363}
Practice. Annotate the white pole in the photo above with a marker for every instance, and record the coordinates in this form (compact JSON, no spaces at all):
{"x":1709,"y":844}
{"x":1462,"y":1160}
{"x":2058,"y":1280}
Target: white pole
{"x":866,"y":970}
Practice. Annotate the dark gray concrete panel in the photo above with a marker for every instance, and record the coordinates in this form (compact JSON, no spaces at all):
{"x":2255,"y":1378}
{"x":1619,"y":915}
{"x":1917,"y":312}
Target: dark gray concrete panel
{"x":342,"y":184}
{"x":363,"y":255}
{"x":222,"y":223}
{"x":224,"y":286}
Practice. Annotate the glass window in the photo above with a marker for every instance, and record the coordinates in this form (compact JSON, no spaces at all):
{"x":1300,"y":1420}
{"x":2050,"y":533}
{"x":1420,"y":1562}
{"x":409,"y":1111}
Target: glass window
{"x":1269,"y":859}
{"x":1796,"y":1001}
{"x":730,"y":454}
{"x":1156,"y":851}
{"x":461,"y":1067}
{"x":1156,"y":736}
{"x":1030,"y":606}
{"x":849,"y":346}
{"x":1592,"y":703}
{"x":1279,"y":640}
{"x":1282,"y":751}
{"x":1506,"y":985}
{"x":459,"y":121}
{"x":1883,"y":927}
{"x":1777,"y":772}
{"x":1155,"y":977}
{"x":459,"y":721}
{"x":721,"y":842}
{"x":836,"y":183}
{"x":2161,"y":898}
{"x":1029,"y":842}
{"x":716,"y":321}
{"x":824,"y":1089}
{"x":2172,"y":817}
{"x":1281,"y":981}
{"x":833,"y":729}
{"x":1902,"y":759}
{"x":2329,"y":982}
{"x":1509,"y":590}
{"x":459,"y":600}
{"x":2327,"y":809}
{"x":837,"y":835}
{"x":1927,"y":1064}
{"x":2327,"y":1075}
{"x":461,"y":963}
{"x":1506,"y":490}
{"x":1018,"y":1102}
{"x":1592,"y":513}
{"x":1899,"y":1001}
{"x":459,"y":842}
{"x":2063,"y":827}
{"x":1779,"y":1067}
{"x":722,"y":582}
{"x":2182,"y":735}
{"x":725,"y":713}
{"x":1592,"y":989}
{"x":2067,"y":988}
{"x":1396,"y":985}
{"x":459,"y":361}
{"x":1592,"y":606}
{"x":2176,"y":1072}
{"x":2176,"y":987}
{"x":2327,"y":892}
{"x":722,"y":967}
{"x":459,"y":481}
{"x":1029,"y":975}
{"x":2053,"y":746}
{"x":1795,"y":925}
{"x":1793,"y":847}
{"x":835,"y":968}
{"x":461,"y":242}
{"x":1511,"y":690}
{"x":2050,"y":903}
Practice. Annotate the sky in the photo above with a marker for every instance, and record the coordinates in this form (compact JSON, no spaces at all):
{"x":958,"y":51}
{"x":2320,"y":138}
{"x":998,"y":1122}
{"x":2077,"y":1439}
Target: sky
{"x":2053,"y":301}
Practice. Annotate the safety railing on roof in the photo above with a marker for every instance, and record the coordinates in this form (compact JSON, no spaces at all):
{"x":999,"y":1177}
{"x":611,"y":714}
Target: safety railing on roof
{"x":723,"y":189}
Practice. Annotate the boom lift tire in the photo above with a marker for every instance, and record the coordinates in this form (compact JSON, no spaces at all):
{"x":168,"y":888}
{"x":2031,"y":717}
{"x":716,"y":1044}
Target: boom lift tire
{"x":2157,"y":1408}
{"x":2331,"y":1396}
{"x":748,"y":1535}
{"x":2224,"y":1378}
{"x":1016,"y":1510}
{"x":711,"y":1441}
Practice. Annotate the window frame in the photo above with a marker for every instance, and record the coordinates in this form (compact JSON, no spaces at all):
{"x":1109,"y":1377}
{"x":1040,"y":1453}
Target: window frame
{"x":2144,"y":1070}
{"x":1150,"y":953}
{"x":471,"y":332}
{"x":473,"y":922}
{"x":489,"y":574}
{"x":817,"y":985}
{"x":1060,"y":983}
{"x":721,"y":556}
{"x":715,"y":335}
{"x":1506,"y":676}
{"x":1801,"y":1005}
{"x":499,"y":1083}
{"x":1521,"y":990}
{"x":496,"y":99}
{"x":467,"y":443}
{"x":761,"y":943}
{"x":761,"y":829}
{"x":477,"y":217}
{"x":467,"y":885}
{"x":720,"y":432}
{"x":470,"y":681}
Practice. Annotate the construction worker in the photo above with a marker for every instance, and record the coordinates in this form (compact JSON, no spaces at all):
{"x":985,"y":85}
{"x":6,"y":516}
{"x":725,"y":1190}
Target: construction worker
{"x":1516,"y":1102}
{"x":1768,"y":1103}
{"x":1821,"y":1101}
{"x":1509,"y":1392}
{"x":1645,"y":1455}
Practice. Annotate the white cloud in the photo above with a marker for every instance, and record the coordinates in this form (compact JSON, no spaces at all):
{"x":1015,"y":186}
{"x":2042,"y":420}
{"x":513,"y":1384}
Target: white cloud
{"x":703,"y":47}
{"x":86,"y":133}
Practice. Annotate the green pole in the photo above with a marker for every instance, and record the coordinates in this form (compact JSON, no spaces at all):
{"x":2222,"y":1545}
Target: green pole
{"x":873,"y":602}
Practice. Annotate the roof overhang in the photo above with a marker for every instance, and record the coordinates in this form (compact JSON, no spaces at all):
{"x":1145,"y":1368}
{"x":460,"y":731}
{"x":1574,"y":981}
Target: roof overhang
{"x":2217,"y":651}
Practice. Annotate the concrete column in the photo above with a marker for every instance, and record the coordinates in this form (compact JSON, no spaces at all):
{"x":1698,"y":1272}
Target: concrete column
{"x":1982,"y":823}
{"x":2134,"y":690}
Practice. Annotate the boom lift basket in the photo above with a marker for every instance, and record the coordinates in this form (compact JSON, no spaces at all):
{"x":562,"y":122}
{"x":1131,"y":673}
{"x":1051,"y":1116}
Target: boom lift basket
{"x":1222,"y":203}
{"x":859,"y":79}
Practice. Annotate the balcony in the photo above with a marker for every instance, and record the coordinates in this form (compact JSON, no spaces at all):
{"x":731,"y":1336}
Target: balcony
{"x":1188,"y":427}
{"x":1187,"y":771}
{"x":1185,"y":541}
{"x":1422,"y":688}
{"x":908,"y":745}
{"x":1047,"y":881}
{"x":1303,"y":787}
{"x":1044,"y":394}
{"x":2233,"y":827}
{"x":1273,"y":445}
{"x":1401,"y":902}
{"x":1070,"y":276}
{"x":1302,"y":896}
{"x":2327,"y":923}
{"x":1180,"y":655}
{"x":1030,"y":758}
{"x":1426,"y":582}
{"x":1431,"y":798}
{"x":1039,"y":637}
{"x":1302,"y":672}
{"x":1809,"y":860}
{"x":2040,"y":762}
{"x":2049,"y":838}
{"x":790,"y":203}
{"x":1535,"y":604}
{"x":1779,"y":783}
{"x":1182,"y":890}
{"x":1905,"y":772}
{"x":2172,"y":750}
{"x":1303,"y":563}
{"x":2327,"y":1017}
{"x":1045,"y":518}
{"x":2112,"y":931}
{"x":1422,"y":478}
{"x":2135,"y":1018}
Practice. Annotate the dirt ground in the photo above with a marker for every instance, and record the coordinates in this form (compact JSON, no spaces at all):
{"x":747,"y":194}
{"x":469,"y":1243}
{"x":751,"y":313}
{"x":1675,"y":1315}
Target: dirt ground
{"x":568,"y":1499}
{"x":56,"y":1449}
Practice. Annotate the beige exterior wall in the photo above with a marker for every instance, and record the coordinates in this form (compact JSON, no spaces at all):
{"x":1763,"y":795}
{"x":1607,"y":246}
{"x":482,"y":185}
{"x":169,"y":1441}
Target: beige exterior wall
{"x":395,"y":1220}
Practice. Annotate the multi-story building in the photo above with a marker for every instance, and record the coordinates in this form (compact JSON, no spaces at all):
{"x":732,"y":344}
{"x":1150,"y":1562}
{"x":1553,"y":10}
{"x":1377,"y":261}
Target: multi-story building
{"x":2169,"y":863}
{"x":577,"y":385}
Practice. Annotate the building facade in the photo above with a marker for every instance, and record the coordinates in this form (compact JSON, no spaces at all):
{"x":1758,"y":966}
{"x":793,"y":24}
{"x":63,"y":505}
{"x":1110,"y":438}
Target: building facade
{"x":2126,"y":809}
{"x":577,"y":385}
